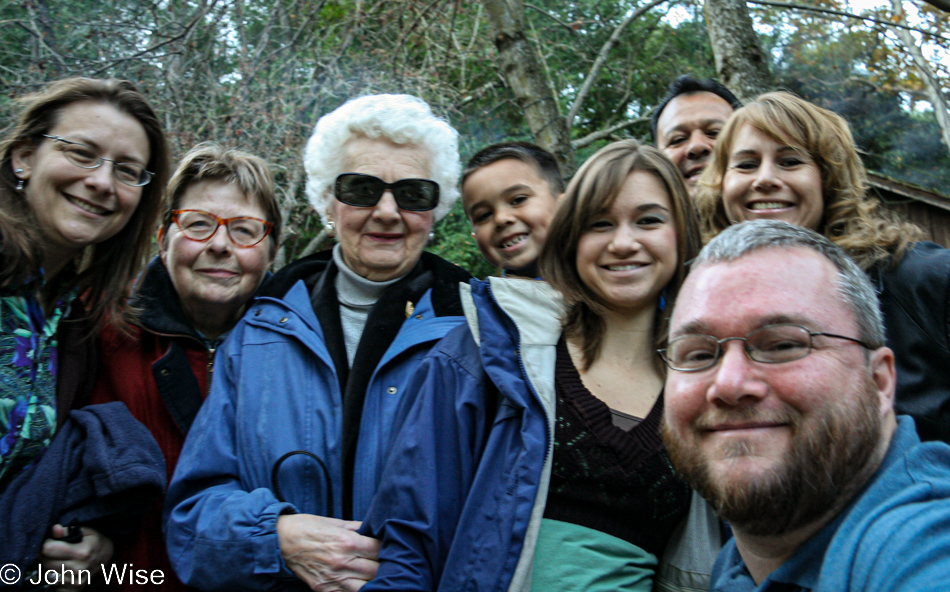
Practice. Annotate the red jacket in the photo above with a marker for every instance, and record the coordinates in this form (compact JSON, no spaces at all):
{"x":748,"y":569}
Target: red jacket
{"x":162,"y":374}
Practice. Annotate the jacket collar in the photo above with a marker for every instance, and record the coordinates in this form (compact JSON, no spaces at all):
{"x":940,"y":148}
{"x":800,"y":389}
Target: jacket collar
{"x":156,"y":298}
{"x":446,"y":278}
{"x":537,"y":324}
{"x":306,"y":269}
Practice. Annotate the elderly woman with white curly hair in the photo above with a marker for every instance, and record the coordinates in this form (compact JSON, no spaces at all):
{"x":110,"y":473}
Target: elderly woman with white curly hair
{"x":284,"y":457}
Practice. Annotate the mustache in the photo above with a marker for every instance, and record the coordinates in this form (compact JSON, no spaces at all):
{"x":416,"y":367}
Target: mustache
{"x":743,"y":415}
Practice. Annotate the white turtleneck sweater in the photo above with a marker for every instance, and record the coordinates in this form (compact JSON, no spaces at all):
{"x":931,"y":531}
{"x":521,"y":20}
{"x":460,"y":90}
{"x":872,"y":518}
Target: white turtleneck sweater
{"x":356,"y":295}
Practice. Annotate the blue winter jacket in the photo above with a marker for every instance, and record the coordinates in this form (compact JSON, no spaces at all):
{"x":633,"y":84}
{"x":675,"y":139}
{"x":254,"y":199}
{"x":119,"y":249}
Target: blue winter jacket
{"x":276,"y":390}
{"x":463,"y":495}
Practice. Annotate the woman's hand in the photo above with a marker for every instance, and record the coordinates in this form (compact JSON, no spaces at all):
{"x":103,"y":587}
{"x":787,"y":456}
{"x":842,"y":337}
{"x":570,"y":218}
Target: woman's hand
{"x":327,"y":553}
{"x":93,"y":550}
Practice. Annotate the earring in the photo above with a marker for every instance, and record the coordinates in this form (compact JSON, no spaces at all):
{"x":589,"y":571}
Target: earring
{"x":664,"y":295}
{"x":19,"y":181}
{"x":331,"y":228}
{"x":431,"y":236}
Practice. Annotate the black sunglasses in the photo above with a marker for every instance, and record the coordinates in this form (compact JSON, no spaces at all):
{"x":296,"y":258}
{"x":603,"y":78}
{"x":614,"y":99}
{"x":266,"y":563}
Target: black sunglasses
{"x":365,"y":191}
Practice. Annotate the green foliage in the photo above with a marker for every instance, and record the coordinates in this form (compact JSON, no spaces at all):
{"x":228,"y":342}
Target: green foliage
{"x":259,"y":73}
{"x":453,"y":242}
{"x":649,"y":55}
{"x":844,"y":72}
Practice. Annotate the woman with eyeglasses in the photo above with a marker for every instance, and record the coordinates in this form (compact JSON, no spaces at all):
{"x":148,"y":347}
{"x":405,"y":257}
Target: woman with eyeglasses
{"x":81,"y":178}
{"x":283,"y":460}
{"x":218,"y":237}
{"x":783,"y":158}
{"x":531,"y":457}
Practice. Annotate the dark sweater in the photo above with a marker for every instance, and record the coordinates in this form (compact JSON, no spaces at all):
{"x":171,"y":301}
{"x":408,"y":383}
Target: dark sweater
{"x":604,"y":478}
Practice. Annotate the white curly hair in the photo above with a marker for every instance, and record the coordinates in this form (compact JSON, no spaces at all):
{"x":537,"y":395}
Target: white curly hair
{"x":401,"y":119}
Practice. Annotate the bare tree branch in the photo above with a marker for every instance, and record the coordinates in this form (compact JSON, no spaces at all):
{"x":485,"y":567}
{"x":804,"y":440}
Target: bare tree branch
{"x":848,"y":15}
{"x":41,"y":29}
{"x":314,"y":244}
{"x":478,"y":92}
{"x":404,"y":37}
{"x":553,"y":17}
{"x":198,"y":16}
{"x":600,"y":135}
{"x":293,"y":42}
{"x":943,"y":5}
{"x":931,"y":86}
{"x":602,"y":59}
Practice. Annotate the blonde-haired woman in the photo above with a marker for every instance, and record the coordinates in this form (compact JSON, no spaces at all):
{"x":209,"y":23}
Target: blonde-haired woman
{"x":218,"y":237}
{"x":781,"y":157}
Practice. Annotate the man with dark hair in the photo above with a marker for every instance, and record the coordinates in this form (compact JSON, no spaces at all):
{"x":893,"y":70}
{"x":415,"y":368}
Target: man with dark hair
{"x":686,"y":123}
{"x":509,"y":191}
{"x":779,"y":411}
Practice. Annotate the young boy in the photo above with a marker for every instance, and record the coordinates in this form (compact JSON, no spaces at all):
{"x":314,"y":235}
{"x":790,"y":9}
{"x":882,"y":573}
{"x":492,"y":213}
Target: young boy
{"x":509,"y":191}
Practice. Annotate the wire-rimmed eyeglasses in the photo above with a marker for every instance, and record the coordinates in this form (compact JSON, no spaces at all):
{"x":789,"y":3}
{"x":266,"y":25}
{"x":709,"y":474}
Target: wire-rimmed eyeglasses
{"x":771,"y":344}
{"x":85,"y":157}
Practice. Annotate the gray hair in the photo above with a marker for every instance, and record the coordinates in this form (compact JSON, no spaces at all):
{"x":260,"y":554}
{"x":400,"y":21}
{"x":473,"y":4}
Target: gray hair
{"x":400,"y":119}
{"x":854,"y":287}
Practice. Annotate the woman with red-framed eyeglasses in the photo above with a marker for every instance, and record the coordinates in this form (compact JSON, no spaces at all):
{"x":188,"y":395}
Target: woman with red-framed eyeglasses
{"x":218,"y":238}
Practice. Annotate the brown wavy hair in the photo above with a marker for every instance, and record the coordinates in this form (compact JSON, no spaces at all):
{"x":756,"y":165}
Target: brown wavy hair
{"x":590,"y":193}
{"x":109,"y":267}
{"x":852,"y":219}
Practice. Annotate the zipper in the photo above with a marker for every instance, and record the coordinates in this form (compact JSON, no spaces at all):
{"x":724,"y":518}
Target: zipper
{"x":211,"y":351}
{"x":549,"y":428}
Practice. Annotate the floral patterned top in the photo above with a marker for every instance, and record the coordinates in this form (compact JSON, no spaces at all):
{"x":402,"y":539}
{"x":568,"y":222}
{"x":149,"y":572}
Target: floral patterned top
{"x":27,"y":379}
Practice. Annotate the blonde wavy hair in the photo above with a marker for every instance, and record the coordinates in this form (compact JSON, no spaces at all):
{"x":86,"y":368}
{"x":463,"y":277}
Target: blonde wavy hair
{"x":851,"y":219}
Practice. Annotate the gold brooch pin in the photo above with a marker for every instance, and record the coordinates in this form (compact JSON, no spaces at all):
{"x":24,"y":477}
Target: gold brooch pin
{"x":409,"y":308}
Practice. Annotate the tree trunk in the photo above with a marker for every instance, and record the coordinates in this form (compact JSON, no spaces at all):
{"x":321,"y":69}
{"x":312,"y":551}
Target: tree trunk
{"x":521,"y":68}
{"x":40,"y":25}
{"x":931,"y":86}
{"x":740,"y":62}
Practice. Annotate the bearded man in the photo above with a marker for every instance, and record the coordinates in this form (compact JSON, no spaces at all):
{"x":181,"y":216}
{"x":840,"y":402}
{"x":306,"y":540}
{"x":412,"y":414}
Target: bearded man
{"x":779,"y":411}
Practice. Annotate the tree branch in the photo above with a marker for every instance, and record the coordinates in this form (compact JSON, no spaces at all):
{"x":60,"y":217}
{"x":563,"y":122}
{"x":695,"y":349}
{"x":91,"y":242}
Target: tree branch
{"x":41,"y":29}
{"x":404,"y":36}
{"x":314,"y":244}
{"x":932,"y":88}
{"x":848,"y":15}
{"x":943,"y":5}
{"x":552,"y":17}
{"x":198,"y":16}
{"x":293,"y":41}
{"x":600,"y":135}
{"x":602,"y":59}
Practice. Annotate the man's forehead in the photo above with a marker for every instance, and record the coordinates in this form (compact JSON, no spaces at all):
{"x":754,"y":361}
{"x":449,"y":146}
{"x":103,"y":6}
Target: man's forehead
{"x":694,"y":107}
{"x":795,"y":283}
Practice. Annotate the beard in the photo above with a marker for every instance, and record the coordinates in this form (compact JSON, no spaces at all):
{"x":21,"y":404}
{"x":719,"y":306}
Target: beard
{"x":825,"y":458}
